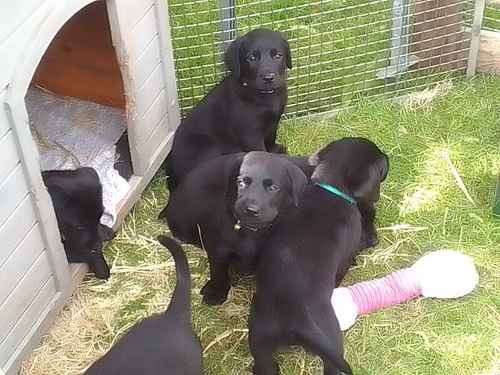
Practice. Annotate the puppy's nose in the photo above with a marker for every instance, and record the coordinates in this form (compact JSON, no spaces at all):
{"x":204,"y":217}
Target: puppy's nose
{"x":252,"y":210}
{"x":269,"y":77}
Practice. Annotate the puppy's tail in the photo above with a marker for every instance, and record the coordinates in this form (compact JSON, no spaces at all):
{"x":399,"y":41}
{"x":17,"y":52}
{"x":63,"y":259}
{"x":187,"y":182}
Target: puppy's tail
{"x":180,"y":304}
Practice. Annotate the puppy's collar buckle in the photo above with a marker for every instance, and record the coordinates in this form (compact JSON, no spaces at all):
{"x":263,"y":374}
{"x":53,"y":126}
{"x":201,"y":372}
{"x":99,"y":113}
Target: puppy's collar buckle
{"x":336,"y":191}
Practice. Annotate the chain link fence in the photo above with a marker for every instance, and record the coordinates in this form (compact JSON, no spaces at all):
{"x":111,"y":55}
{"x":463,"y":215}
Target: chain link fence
{"x":491,"y":19}
{"x":343,"y":50}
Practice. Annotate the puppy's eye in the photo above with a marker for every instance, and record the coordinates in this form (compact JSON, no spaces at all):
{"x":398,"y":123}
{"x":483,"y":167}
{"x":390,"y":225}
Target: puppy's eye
{"x":278,"y":55}
{"x":273,"y":188}
{"x":251,"y":58}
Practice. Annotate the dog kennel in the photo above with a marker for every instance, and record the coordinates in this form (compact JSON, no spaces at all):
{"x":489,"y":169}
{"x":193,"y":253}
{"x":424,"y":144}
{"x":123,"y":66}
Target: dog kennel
{"x":72,"y":69}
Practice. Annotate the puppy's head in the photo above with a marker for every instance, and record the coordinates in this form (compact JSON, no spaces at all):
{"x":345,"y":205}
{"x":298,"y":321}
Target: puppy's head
{"x":356,"y":163}
{"x":267,"y":184}
{"x":259,"y":60}
{"x":77,"y":199}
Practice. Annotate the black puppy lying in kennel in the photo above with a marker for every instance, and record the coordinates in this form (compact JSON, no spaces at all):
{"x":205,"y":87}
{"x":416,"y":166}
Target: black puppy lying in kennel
{"x":77,"y":199}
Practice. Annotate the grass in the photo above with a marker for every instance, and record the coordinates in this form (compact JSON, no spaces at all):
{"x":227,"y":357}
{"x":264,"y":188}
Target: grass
{"x":421,"y":337}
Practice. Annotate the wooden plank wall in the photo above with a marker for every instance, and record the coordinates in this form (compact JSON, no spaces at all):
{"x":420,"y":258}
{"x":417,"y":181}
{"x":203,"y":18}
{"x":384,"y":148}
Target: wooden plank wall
{"x":140,"y":54}
{"x":493,"y":3}
{"x":489,"y":52}
{"x":438,"y":38}
{"x":27,"y":284}
{"x":81,"y":60}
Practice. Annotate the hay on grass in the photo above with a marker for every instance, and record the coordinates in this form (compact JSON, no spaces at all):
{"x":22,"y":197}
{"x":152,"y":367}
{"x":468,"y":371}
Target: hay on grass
{"x":421,"y":209}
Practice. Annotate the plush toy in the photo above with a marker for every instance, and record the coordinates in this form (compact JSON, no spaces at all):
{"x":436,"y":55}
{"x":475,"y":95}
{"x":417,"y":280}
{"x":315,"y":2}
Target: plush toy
{"x":439,"y":274}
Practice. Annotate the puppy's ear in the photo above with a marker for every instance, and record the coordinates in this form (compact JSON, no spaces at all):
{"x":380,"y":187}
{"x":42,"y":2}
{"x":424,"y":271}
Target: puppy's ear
{"x":303,"y":163}
{"x":298,"y":181}
{"x":367,"y":185}
{"x":383,"y":164}
{"x":232,"y":56}
{"x":288,"y":54}
{"x":231,"y":173}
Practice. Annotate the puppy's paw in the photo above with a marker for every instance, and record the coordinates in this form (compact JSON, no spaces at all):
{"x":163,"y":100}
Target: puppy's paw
{"x":214,"y":295}
{"x":214,"y":299}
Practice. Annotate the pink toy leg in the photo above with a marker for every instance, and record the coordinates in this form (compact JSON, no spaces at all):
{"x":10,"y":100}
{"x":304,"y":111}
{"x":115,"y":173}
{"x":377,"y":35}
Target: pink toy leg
{"x":398,"y":287}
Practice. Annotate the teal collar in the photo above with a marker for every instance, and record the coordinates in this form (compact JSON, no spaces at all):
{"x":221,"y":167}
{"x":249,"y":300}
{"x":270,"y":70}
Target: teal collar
{"x":335,"y":191}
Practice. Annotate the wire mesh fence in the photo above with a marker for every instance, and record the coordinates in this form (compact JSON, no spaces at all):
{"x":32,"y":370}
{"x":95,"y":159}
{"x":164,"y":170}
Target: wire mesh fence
{"x":343,"y":50}
{"x":491,"y":19}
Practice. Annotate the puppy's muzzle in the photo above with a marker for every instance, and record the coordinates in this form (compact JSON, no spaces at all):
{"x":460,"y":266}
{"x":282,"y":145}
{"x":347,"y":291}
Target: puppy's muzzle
{"x":269,"y":77}
{"x":252,"y":210}
{"x":269,"y":83}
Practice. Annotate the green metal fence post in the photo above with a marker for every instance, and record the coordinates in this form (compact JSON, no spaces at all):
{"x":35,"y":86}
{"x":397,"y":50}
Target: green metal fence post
{"x":228,"y":21}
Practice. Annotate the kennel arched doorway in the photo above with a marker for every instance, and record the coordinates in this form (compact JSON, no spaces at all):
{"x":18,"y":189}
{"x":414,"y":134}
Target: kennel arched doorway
{"x":35,"y":279}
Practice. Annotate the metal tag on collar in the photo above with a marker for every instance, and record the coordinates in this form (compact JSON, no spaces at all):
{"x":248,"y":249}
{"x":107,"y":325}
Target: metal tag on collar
{"x":237,"y":226}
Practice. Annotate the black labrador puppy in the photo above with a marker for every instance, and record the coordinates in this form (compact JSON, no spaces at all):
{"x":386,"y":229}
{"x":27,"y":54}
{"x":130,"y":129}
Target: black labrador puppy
{"x":308,"y":254}
{"x":163,"y":343}
{"x":77,"y":199}
{"x":242,"y":112}
{"x":257,"y":187}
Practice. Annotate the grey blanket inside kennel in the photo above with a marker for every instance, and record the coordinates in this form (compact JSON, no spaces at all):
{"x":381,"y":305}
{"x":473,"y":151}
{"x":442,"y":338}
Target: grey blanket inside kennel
{"x":71,"y":133}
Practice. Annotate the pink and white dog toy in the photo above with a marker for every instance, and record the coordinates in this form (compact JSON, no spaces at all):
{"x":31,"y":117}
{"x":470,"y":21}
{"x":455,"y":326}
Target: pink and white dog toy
{"x":439,"y":274}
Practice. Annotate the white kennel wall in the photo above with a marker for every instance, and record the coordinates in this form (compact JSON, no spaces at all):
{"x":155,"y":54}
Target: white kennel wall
{"x":35,"y":279}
